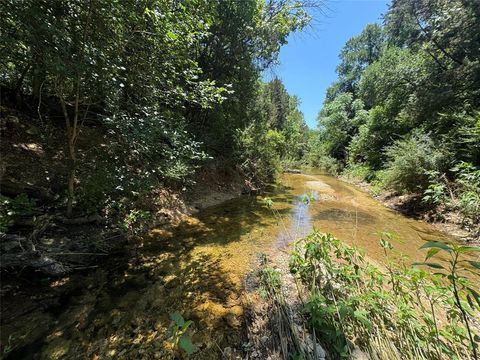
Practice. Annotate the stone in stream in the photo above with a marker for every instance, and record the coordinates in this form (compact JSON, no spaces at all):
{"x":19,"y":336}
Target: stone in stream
{"x":293,"y":171}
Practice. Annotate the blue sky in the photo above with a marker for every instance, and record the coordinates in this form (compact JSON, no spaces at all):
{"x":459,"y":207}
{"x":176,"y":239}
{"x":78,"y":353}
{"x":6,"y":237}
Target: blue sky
{"x":308,"y":61}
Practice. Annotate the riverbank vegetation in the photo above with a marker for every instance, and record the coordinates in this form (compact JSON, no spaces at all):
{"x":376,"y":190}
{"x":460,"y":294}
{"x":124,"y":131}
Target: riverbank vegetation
{"x":401,"y":312}
{"x":105,"y":104}
{"x":358,"y":309}
{"x":404,"y":112}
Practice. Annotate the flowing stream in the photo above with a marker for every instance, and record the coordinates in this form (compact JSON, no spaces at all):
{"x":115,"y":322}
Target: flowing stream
{"x":199,"y":268}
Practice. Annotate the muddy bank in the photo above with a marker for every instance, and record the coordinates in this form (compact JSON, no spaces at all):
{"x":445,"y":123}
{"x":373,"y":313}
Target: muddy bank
{"x":33,"y":228}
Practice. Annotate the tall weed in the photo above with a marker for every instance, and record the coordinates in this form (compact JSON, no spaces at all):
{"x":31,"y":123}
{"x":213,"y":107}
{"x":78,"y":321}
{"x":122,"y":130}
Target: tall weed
{"x":403,"y":312}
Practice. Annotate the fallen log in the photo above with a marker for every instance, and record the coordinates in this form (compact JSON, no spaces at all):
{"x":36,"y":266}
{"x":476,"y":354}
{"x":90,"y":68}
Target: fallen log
{"x":18,"y":251}
{"x":12,"y":188}
{"x":83,"y":220}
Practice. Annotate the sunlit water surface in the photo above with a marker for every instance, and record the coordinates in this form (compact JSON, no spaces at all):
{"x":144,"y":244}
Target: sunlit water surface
{"x":198,"y":269}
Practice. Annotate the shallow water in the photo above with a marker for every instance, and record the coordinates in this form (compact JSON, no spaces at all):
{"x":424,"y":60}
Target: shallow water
{"x":354,"y":216}
{"x":198,"y":269}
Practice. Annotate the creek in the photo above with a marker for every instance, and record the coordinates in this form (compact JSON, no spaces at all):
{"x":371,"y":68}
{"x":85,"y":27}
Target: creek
{"x":198,"y":268}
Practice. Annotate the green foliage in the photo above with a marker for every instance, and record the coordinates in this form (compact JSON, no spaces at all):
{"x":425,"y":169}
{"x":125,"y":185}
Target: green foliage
{"x":277,"y":135}
{"x":405,"y":311}
{"x":468,"y":191}
{"x":435,"y":194}
{"x":13,"y":209}
{"x":308,"y":197}
{"x":270,"y":281}
{"x":157,"y":144}
{"x":357,"y":172}
{"x":168,"y":82}
{"x":96,"y":189}
{"x":136,"y":221}
{"x":338,"y":122}
{"x":357,"y":54}
{"x":260,"y":152}
{"x":454,"y":272}
{"x":295,"y":131}
{"x":409,"y":162}
{"x":9,"y":347}
{"x":329,"y":164}
{"x":417,"y":73}
{"x":470,"y":204}
{"x":178,"y":333}
{"x":373,"y":137}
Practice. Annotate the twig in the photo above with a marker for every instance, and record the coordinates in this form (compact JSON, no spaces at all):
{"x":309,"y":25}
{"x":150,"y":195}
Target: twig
{"x":85,"y":267}
{"x":77,"y":253}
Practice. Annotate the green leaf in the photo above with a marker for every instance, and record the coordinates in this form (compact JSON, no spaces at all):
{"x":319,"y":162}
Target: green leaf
{"x":436,"y":244}
{"x":171,"y":35}
{"x":177,"y":318}
{"x":186,"y":344}
{"x":431,"y":252}
{"x":475,"y":264}
{"x":268,"y":202}
{"x":475,"y":294}
{"x":187,"y":324}
{"x":430,"y":264}
{"x":467,"y":249}
{"x":361,"y":315}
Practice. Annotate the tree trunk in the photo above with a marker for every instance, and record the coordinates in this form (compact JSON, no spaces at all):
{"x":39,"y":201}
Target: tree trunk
{"x":73,"y":127}
{"x":71,"y":135}
{"x":71,"y":190}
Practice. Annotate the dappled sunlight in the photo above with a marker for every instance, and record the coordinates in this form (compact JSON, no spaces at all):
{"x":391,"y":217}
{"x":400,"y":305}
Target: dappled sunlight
{"x":32,"y":147}
{"x":198,"y":268}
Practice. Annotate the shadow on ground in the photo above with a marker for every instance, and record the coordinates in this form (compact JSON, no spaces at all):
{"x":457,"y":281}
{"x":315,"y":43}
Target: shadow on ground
{"x":122,"y":309}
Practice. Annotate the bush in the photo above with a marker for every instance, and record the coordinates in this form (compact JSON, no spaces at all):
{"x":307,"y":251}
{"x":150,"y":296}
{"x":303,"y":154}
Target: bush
{"x":330,"y":165}
{"x":259,"y":150}
{"x":378,"y":182}
{"x":468,"y":191}
{"x":358,"y":172}
{"x":373,"y":136}
{"x":410,"y":161}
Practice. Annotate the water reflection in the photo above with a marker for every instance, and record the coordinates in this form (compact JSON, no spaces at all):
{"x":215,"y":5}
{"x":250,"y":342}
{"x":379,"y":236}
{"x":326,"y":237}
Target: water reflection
{"x":349,"y":216}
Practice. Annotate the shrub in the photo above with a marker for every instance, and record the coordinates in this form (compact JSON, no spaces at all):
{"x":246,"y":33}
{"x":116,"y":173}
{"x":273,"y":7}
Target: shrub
{"x":358,"y":172}
{"x":403,"y":310}
{"x":12,"y":209}
{"x":468,"y":190}
{"x":259,"y":150}
{"x":377,"y":182}
{"x":435,"y":194}
{"x":470,"y":205}
{"x":409,"y":162}
{"x":329,"y":164}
